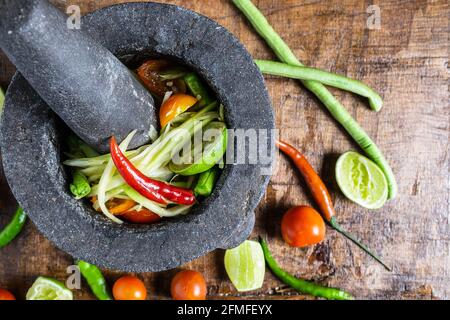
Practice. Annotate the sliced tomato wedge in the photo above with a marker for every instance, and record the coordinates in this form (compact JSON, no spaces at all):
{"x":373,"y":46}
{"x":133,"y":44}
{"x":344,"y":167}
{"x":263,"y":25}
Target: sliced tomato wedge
{"x":117,"y":206}
{"x":175,"y":105}
{"x":141,"y":216}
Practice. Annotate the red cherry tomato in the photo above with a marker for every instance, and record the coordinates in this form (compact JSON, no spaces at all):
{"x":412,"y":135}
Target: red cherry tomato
{"x":148,"y":72}
{"x":141,"y":216}
{"x":6,"y":295}
{"x":302,"y":226}
{"x":129,"y":288}
{"x":188,"y":285}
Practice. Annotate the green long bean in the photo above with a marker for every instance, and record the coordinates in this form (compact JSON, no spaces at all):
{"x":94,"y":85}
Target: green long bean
{"x":339,"y":113}
{"x":206,"y":182}
{"x":324,"y":77}
{"x":301,"y":285}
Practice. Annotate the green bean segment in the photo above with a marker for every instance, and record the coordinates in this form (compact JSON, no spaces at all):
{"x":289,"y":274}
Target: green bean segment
{"x":195,"y":85}
{"x":206,"y":182}
{"x":80,"y":186}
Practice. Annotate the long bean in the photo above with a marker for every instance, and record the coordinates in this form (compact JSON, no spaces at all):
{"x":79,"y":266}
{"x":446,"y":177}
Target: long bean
{"x":301,"y":285}
{"x":285,"y":54}
{"x":324,"y":77}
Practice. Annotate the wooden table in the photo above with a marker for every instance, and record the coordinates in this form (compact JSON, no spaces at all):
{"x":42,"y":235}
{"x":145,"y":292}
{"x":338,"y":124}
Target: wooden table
{"x":406,"y":60}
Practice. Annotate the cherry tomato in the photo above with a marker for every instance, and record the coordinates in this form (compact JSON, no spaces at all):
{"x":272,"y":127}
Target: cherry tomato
{"x":188,"y":285}
{"x":129,"y":288}
{"x":176,"y":104}
{"x":141,"y":216}
{"x":6,"y":295}
{"x":302,"y":226}
{"x":148,"y":72}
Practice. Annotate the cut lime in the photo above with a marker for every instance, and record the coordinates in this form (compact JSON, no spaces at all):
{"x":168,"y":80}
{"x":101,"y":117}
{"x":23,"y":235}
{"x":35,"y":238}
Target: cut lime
{"x":245,"y":266}
{"x":48,"y":289}
{"x":211,"y":152}
{"x":361,"y":180}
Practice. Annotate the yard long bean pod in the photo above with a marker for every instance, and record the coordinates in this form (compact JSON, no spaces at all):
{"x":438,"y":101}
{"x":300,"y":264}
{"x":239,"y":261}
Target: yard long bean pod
{"x":95,"y":279}
{"x":199,"y":91}
{"x":10,"y":232}
{"x":206,"y":182}
{"x":324,"y":77}
{"x":301,"y":285}
{"x":339,"y":113}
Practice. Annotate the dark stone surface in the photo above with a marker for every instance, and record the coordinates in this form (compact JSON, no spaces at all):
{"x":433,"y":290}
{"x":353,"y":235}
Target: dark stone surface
{"x":79,"y":79}
{"x":31,"y":139}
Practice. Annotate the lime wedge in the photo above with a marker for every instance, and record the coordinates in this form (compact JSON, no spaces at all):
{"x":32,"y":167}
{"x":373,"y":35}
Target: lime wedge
{"x":48,"y":289}
{"x":361,"y":180}
{"x":245,"y":266}
{"x":212,"y":151}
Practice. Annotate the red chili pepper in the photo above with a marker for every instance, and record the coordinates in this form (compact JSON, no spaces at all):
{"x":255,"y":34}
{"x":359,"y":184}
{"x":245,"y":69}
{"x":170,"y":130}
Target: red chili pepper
{"x":320,"y":194}
{"x":155,"y":190}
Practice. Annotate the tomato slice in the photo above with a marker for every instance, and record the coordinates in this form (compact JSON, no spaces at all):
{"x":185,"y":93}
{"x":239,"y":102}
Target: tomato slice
{"x":141,"y":216}
{"x":116,"y":206}
{"x":175,"y":105}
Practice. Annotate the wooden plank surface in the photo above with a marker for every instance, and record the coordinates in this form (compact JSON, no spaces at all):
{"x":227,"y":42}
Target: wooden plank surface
{"x":406,"y":60}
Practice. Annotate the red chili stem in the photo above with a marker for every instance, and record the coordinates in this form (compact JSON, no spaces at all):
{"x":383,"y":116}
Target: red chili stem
{"x":155,"y":190}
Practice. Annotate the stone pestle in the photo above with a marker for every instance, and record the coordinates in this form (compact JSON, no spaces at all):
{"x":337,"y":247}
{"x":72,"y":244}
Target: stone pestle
{"x":83,"y":83}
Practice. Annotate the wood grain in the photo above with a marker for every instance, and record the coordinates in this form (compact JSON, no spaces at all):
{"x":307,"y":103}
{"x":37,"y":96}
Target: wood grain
{"x":407,"y":62}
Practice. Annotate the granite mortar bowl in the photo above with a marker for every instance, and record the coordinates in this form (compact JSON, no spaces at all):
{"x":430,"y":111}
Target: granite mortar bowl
{"x":32,"y":136}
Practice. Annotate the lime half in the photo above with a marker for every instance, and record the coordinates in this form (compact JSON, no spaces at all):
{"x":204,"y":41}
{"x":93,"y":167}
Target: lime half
{"x":48,"y":289}
{"x":211,"y":152}
{"x":245,"y":266}
{"x":361,"y":180}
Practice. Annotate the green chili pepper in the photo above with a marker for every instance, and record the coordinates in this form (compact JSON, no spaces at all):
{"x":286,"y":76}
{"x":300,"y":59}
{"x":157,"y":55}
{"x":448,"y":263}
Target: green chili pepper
{"x":95,"y":279}
{"x":301,"y":285}
{"x":80,"y":186}
{"x":13,"y":228}
{"x":206,"y":182}
{"x":195,"y":85}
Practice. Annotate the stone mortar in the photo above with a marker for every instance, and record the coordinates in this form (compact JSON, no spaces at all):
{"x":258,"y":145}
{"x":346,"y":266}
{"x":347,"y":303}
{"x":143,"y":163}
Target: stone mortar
{"x":32,"y":135}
